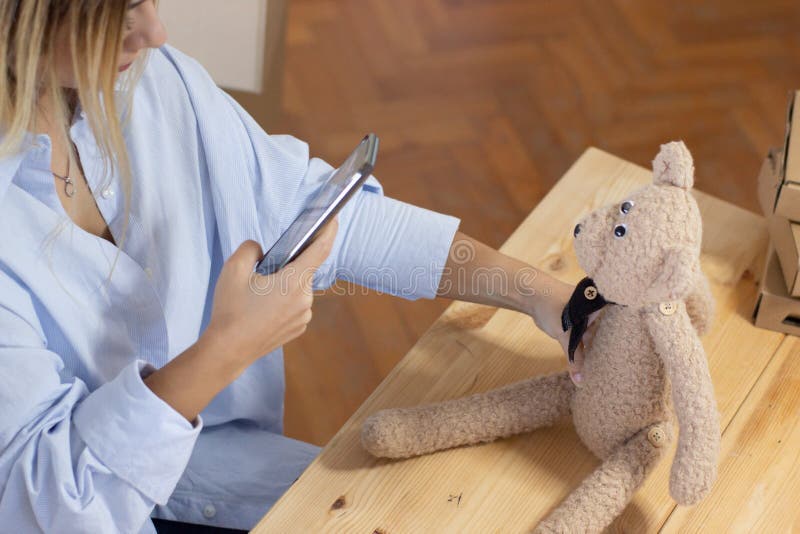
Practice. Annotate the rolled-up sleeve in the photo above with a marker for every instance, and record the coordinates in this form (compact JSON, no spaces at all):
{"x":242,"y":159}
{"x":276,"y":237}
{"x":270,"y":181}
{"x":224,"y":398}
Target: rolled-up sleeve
{"x":76,"y":461}
{"x":382,"y":243}
{"x":391,"y":246}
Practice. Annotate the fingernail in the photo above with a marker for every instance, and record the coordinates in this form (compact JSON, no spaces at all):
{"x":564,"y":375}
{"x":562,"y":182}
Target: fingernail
{"x":578,"y":377}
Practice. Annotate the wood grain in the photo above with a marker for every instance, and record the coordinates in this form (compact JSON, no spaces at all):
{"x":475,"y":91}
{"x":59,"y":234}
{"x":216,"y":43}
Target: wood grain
{"x":506,"y":486}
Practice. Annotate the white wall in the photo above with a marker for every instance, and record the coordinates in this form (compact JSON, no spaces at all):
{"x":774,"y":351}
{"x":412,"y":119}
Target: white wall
{"x":227,"y":37}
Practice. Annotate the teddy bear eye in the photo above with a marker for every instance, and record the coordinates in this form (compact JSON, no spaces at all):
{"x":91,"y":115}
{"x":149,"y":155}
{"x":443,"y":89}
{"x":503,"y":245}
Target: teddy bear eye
{"x":620,"y":230}
{"x":626,"y":206}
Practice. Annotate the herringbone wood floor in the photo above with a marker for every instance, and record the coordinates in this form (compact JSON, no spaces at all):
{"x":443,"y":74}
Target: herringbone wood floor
{"x":481,"y":105}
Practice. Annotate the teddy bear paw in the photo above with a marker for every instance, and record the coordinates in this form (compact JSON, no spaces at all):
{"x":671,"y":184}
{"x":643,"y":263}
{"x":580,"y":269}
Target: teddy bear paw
{"x":688,"y":486}
{"x":384,"y":434}
{"x":553,"y":525}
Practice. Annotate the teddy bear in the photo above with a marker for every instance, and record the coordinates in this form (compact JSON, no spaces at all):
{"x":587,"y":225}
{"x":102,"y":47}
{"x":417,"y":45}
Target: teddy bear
{"x":644,"y":367}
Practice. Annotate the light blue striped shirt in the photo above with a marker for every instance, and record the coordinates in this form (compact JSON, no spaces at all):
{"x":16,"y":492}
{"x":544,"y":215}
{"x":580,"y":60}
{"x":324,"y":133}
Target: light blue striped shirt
{"x":85,"y":446}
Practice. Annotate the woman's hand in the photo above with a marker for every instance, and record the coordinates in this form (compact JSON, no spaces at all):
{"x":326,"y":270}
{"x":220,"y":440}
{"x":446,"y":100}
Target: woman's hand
{"x":532,"y":291}
{"x":251,"y":315}
{"x":546,"y":313}
{"x":254,"y":314}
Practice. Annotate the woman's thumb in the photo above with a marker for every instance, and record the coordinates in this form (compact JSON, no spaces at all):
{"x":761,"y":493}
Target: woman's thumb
{"x":320,"y":248}
{"x":248,"y":254}
{"x":576,"y":365}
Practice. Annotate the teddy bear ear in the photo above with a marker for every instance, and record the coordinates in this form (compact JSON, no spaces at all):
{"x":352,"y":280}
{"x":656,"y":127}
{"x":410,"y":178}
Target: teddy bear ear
{"x":674,"y":166}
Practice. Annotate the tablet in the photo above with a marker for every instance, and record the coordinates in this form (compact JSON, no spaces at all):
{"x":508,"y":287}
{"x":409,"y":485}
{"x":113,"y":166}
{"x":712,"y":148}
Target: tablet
{"x":322,"y":207}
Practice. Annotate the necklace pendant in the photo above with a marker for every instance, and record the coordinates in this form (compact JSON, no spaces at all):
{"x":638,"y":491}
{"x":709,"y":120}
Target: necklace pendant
{"x":69,"y":188}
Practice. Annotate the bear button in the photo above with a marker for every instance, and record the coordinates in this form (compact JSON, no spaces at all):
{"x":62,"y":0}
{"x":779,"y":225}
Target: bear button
{"x":656,"y":436}
{"x":590,"y":292}
{"x":667,"y":308}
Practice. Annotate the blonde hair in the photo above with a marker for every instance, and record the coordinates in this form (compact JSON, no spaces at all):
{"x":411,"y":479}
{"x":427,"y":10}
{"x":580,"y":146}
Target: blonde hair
{"x":27,"y":50}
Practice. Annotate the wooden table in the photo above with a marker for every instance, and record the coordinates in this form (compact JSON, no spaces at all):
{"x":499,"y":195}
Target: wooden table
{"x":508,"y":485}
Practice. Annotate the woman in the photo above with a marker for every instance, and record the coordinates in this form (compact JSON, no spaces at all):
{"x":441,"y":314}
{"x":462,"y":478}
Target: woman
{"x":141,"y":372}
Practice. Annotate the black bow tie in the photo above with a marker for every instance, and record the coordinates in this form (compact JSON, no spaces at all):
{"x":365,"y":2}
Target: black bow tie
{"x":584,"y":301}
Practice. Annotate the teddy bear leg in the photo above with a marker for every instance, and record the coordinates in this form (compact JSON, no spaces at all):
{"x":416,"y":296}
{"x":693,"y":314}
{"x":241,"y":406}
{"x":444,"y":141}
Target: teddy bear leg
{"x":482,"y":417}
{"x":603,"y":495}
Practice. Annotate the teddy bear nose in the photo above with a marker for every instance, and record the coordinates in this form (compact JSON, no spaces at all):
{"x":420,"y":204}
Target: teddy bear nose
{"x":577,"y":230}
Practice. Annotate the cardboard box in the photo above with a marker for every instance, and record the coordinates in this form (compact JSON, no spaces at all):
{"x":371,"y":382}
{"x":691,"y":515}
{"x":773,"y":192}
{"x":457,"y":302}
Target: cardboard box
{"x":775,"y":309}
{"x":785,"y":236}
{"x":787,"y":199}
{"x":769,"y":181}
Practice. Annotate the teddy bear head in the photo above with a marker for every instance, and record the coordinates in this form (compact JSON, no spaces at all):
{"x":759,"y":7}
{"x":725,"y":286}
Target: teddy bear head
{"x":646,"y":248}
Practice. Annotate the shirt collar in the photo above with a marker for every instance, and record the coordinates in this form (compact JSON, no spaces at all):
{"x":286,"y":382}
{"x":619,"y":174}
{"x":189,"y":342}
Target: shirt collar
{"x":8,"y":168}
{"x":34,"y":150}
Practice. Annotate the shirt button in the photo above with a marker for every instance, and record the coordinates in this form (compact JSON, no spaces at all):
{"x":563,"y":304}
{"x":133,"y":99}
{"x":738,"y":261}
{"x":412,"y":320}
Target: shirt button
{"x":209,"y":511}
{"x":656,"y":437}
{"x":149,"y":272}
{"x":667,"y":308}
{"x":106,"y":193}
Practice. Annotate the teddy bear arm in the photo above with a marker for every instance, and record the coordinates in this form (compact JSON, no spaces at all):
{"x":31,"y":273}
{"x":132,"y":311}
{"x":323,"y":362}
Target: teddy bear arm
{"x":695,"y":464}
{"x":700,"y":304}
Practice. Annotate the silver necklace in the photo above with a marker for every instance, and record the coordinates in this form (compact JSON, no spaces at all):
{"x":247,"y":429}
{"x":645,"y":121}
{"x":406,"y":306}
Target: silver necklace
{"x":69,"y":185}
